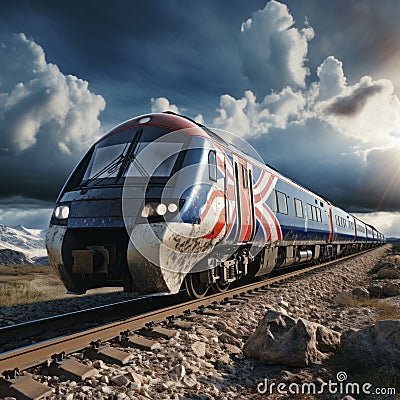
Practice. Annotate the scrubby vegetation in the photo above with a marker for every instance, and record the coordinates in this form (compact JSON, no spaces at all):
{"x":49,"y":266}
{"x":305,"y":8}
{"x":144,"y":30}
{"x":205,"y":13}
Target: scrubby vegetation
{"x":20,"y":284}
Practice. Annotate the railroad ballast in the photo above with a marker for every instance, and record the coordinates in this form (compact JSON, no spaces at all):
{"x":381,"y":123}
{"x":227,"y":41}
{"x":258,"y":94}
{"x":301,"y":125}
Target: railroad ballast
{"x":162,"y":203}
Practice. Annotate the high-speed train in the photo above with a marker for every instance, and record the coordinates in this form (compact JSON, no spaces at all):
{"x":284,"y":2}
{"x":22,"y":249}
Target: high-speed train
{"x":162,"y":203}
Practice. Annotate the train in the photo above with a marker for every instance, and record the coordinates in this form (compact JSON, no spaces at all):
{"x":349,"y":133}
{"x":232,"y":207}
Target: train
{"x":162,"y":203}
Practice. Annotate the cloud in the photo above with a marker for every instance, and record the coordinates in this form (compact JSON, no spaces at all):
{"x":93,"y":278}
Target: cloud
{"x":162,"y":104}
{"x":47,"y":120}
{"x":338,"y":139}
{"x":353,"y":103}
{"x":341,"y":140}
{"x":331,"y":78}
{"x":247,"y":117}
{"x":386,"y":222}
{"x":273,"y":52}
{"x":38,"y":218}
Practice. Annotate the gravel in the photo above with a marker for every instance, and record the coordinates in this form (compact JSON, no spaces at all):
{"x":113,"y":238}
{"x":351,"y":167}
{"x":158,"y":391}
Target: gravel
{"x":205,"y":361}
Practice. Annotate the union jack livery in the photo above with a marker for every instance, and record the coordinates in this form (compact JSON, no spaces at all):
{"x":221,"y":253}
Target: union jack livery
{"x":162,"y":203}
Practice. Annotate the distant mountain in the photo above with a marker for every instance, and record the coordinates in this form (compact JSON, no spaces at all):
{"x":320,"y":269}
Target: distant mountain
{"x":20,"y":245}
{"x":392,"y":240}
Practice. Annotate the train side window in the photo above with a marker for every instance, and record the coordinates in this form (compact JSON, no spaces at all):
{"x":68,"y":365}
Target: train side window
{"x":212,"y":165}
{"x":273,"y":201}
{"x":298,"y":207}
{"x":281,"y":202}
{"x":309,"y":211}
{"x":244,"y":176}
{"x":319,"y":216}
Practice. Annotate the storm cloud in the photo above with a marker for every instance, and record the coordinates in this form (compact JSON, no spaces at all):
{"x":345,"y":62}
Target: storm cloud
{"x":339,"y":139}
{"x":353,"y":103}
{"x":290,"y":78}
{"x":47,"y":120}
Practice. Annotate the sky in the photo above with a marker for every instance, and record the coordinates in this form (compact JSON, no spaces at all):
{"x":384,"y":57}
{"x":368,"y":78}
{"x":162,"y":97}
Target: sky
{"x":313,"y":86}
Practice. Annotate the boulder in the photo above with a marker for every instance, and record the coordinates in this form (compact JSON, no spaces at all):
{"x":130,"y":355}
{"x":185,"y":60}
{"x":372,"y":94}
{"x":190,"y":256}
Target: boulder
{"x":390,"y":290}
{"x":360,"y":293}
{"x":375,"y":291}
{"x":390,"y":272}
{"x":381,"y":264}
{"x":373,"y":346}
{"x":281,"y":339}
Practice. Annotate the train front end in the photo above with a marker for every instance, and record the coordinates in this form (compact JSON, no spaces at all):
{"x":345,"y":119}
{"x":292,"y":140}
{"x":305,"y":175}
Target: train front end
{"x":118,"y":219}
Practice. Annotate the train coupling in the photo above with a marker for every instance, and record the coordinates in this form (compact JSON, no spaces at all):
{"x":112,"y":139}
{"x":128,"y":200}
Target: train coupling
{"x":92,"y":260}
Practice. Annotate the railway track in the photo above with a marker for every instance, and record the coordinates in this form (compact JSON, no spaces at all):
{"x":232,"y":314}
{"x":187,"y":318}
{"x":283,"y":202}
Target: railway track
{"x":131,"y":324}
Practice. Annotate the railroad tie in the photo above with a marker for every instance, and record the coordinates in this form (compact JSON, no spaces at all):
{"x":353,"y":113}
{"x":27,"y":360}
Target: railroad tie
{"x":108,"y":354}
{"x":72,"y":369}
{"x":24,"y":387}
{"x":158,"y":332}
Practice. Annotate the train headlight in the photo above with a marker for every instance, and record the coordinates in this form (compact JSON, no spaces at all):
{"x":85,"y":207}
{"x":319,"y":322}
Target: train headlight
{"x":61,"y":212}
{"x":155,"y":209}
{"x":172,"y":207}
{"x":161,"y":209}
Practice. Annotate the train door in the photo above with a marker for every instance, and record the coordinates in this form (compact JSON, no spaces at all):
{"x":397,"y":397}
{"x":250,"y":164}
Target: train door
{"x":244,"y":204}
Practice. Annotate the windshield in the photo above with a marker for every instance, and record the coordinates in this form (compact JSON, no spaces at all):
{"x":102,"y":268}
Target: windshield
{"x":154,"y":159}
{"x":105,"y":161}
{"x":138,"y":152}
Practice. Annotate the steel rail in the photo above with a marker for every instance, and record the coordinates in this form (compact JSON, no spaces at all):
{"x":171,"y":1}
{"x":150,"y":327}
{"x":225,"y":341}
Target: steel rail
{"x":33,"y":355}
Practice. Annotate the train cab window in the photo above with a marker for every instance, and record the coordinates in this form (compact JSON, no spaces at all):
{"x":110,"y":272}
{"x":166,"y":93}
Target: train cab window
{"x":244,"y":176}
{"x":212,"y":165}
{"x":281,"y":201}
{"x":298,"y":208}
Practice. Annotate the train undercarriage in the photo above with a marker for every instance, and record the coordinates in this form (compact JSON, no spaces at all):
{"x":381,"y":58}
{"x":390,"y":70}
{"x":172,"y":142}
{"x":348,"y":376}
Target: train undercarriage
{"x":242,"y":264}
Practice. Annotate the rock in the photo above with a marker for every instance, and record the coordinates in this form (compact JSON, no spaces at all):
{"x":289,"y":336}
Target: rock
{"x":106,"y":389}
{"x":189,"y":381}
{"x":284,"y":304}
{"x":280,"y":339}
{"x":390,"y":290}
{"x":233,"y":332}
{"x":388,"y":273}
{"x":375,"y":345}
{"x":220,"y":325}
{"x":224,"y":358}
{"x":199,"y":349}
{"x":375,"y":291}
{"x":180,"y":371}
{"x":120,"y":380}
{"x":205,"y":332}
{"x":232,"y":349}
{"x":134,"y":377}
{"x":360,"y":292}
{"x":225,"y":338}
{"x":99,"y":364}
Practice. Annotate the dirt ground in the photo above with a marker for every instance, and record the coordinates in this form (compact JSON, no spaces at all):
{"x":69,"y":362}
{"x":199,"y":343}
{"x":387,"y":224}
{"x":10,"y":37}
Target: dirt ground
{"x":21,"y":284}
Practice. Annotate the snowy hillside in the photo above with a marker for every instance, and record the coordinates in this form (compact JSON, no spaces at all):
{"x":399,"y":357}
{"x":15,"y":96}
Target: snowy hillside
{"x":22,"y":246}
